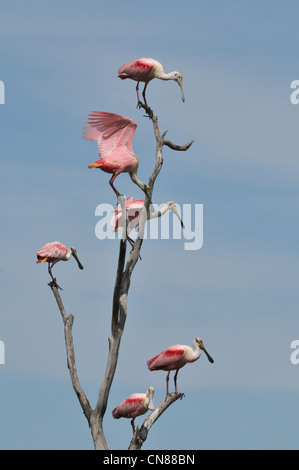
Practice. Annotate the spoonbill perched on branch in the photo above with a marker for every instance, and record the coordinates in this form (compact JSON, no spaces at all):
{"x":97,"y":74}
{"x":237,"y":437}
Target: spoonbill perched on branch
{"x":54,"y":252}
{"x":134,"y":209}
{"x":144,"y":70}
{"x":114,"y":134}
{"x":175,"y":357}
{"x":135,"y":405}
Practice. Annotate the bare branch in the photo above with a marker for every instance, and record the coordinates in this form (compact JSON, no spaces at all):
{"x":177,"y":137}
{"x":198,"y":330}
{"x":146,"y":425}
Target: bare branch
{"x":141,"y":434}
{"x":169,"y":144}
{"x":120,"y":269}
{"x":114,"y":342}
{"x":70,"y":353}
{"x":177,"y":147}
{"x":119,"y":314}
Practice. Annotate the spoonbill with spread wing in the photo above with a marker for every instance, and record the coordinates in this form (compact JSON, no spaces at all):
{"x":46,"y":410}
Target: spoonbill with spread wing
{"x":114,"y":134}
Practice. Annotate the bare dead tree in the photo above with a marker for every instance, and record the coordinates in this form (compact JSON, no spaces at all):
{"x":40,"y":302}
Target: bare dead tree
{"x":119,"y":314}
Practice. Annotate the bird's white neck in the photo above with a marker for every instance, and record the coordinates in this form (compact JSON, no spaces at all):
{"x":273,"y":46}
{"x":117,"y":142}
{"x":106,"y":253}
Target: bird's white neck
{"x":154,"y":215}
{"x":166,"y":76}
{"x":196,"y":350}
{"x":68,"y":255}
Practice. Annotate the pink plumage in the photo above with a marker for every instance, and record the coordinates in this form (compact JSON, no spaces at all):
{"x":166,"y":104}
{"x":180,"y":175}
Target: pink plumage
{"x":135,"y":405}
{"x":51,"y":252}
{"x":172,"y":358}
{"x":54,"y":252}
{"x":144,"y":70}
{"x":130,"y":407}
{"x":175,"y":357}
{"x":140,"y":70}
{"x":114,"y":135}
{"x":133,"y":209}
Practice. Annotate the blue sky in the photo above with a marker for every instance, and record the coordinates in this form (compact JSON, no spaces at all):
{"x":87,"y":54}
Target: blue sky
{"x":239,"y":292}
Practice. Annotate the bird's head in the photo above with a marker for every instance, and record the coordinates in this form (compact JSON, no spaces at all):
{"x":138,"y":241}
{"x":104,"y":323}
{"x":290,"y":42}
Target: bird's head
{"x":150,"y":395}
{"x":178,"y":77}
{"x":74,"y":253}
{"x":172,"y":207}
{"x":201,"y":346}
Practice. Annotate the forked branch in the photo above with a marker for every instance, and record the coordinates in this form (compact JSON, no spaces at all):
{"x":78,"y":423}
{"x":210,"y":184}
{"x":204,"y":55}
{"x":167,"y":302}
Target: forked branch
{"x":141,"y":434}
{"x":119,"y":314}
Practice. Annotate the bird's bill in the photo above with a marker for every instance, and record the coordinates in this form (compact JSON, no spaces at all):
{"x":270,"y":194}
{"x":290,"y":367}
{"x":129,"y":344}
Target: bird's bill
{"x":180,"y":82}
{"x":207,"y":354}
{"x":94,"y":165}
{"x":77,"y":259}
{"x":150,"y":392}
{"x":201,"y":346}
{"x":174,"y":210}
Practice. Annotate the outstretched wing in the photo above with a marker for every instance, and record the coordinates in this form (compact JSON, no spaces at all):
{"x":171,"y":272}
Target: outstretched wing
{"x":111,"y":131}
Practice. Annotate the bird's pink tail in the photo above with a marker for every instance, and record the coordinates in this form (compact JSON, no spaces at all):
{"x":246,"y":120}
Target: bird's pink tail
{"x":150,"y":361}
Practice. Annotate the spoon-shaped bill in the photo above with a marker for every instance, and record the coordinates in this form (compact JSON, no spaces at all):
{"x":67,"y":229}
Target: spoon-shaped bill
{"x":208,"y":355}
{"x":180,"y":82}
{"x":77,"y":259}
{"x":201,"y":346}
{"x":175,"y":211}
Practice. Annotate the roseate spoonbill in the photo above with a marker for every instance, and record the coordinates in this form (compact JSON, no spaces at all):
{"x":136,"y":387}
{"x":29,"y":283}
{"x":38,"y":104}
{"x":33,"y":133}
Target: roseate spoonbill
{"x":135,"y":405}
{"x":114,"y":134}
{"x":134,"y":209}
{"x":144,"y":70}
{"x":54,"y":252}
{"x":175,"y":357}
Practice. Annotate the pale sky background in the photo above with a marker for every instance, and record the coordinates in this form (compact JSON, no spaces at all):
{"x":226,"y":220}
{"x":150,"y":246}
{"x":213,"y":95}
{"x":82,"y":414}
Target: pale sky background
{"x":239,"y":292}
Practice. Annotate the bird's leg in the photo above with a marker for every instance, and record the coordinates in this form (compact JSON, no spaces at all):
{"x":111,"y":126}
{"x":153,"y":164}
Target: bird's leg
{"x":167,"y":383}
{"x":133,"y":426}
{"x":111,"y":184}
{"x":143,"y":94}
{"x":138,"y":98}
{"x":175,"y":378}
{"x":54,"y":282}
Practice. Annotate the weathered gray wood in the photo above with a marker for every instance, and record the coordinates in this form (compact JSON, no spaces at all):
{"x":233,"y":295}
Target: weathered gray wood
{"x":70,"y":353}
{"x":141,"y":434}
{"x":119,"y":314}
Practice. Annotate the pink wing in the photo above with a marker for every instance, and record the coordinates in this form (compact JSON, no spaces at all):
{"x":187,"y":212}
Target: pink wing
{"x":52,"y":250}
{"x":116,"y":220}
{"x":168,"y":358}
{"x":112,"y":131}
{"x":129,"y":407}
{"x":136,"y":70}
{"x":133,"y":210}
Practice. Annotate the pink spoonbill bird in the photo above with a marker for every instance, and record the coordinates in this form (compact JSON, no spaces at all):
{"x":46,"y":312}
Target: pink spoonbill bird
{"x":134,"y":209}
{"x":114,"y":134}
{"x":54,"y":252}
{"x":175,"y":357}
{"x":135,"y":405}
{"x":144,"y":70}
